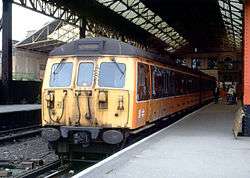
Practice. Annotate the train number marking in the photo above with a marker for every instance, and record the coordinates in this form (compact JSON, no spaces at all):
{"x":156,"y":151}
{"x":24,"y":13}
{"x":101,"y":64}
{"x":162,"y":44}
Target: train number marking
{"x":141,"y":113}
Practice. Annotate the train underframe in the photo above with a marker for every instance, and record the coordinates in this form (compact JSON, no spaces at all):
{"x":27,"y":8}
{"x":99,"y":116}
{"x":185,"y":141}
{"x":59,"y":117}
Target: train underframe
{"x":81,"y":142}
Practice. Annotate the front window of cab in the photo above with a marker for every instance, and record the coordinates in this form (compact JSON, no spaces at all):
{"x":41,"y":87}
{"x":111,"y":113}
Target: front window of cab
{"x":61,"y":74}
{"x":112,"y":74}
{"x":85,"y":74}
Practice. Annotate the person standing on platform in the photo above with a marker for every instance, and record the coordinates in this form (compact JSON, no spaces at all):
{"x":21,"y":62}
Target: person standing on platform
{"x":231,"y":95}
{"x":216,"y":94}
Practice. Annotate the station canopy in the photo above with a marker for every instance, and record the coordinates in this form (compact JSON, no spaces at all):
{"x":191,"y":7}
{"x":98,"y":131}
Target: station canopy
{"x":50,"y":36}
{"x":163,"y":25}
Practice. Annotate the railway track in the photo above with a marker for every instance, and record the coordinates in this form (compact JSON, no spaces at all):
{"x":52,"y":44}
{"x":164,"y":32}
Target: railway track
{"x":56,"y":169}
{"x":48,"y":171}
{"x":18,"y":129}
{"x":16,"y":134}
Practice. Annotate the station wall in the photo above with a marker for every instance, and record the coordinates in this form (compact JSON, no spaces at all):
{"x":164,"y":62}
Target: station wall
{"x":28,"y":65}
{"x":228,"y":65}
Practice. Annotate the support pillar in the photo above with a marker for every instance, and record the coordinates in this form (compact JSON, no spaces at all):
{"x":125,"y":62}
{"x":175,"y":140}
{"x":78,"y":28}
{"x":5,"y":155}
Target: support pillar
{"x":83,"y":25}
{"x":7,"y":50}
{"x":246,"y":69}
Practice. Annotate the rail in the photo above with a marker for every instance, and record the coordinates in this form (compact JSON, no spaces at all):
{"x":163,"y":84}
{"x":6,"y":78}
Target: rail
{"x":42,"y":170}
{"x":10,"y":136}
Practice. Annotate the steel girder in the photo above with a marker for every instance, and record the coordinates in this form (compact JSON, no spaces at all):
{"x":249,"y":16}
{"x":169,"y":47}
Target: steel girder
{"x":1,"y":24}
{"x":46,"y":8}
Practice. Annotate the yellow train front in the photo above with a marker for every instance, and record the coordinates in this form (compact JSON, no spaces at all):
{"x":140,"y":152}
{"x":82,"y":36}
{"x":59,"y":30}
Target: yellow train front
{"x":100,"y":90}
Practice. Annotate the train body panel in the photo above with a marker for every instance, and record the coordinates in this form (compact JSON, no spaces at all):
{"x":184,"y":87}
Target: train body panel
{"x":114,"y":105}
{"x":150,"y":111}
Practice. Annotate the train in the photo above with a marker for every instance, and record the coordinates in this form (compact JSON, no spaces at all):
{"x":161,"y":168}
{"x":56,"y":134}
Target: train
{"x":99,"y":91}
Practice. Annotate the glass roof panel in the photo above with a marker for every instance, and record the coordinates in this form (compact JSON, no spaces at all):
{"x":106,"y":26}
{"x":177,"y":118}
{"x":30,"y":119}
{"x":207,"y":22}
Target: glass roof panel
{"x":120,"y":7}
{"x":231,"y":11}
{"x":136,"y":12}
{"x":131,"y":15}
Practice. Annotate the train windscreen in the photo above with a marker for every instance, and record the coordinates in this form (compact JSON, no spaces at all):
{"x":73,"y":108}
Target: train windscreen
{"x":85,"y":74}
{"x":112,"y":74}
{"x":61,"y":74}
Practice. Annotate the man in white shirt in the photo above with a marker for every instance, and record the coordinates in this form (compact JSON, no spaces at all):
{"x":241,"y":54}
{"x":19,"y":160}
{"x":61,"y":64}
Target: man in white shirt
{"x":231,"y":95}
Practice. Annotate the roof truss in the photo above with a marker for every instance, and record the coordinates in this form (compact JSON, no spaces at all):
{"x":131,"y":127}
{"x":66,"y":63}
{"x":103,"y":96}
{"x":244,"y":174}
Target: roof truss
{"x":232,"y":15}
{"x":136,"y":12}
{"x":48,"y":8}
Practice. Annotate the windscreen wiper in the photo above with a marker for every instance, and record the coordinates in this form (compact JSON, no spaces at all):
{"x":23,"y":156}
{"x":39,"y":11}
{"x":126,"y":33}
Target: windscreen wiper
{"x":59,"y":67}
{"x":118,"y":67}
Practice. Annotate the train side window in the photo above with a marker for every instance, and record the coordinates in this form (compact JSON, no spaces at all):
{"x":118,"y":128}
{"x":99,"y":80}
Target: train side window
{"x":159,"y":82}
{"x":171,"y":82}
{"x":165,"y":83}
{"x":178,"y":84}
{"x":183,"y":85}
{"x":197,"y":85}
{"x":194,"y":88}
{"x":186,"y":85}
{"x":189,"y":84}
{"x":143,"y":85}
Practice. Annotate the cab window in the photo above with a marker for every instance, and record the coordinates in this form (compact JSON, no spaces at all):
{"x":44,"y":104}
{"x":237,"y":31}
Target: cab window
{"x":112,"y":74}
{"x":85,"y":74}
{"x":61,"y":74}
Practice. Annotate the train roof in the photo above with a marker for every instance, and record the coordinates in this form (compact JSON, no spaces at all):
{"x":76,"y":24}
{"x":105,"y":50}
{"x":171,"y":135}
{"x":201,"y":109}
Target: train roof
{"x":108,"y":46}
{"x":103,"y":46}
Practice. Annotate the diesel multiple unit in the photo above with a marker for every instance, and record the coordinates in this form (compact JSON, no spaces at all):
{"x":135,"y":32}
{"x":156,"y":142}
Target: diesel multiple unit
{"x":100,"y":90}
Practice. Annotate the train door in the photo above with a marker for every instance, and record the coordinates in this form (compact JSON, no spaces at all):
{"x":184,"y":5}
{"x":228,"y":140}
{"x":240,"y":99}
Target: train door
{"x":57,"y":93}
{"x":155,"y":102}
{"x":143,"y":94}
{"x":83,"y":92}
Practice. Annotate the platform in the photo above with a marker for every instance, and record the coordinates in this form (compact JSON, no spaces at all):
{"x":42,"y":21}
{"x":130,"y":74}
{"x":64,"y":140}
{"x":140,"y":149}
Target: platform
{"x":19,"y":116}
{"x":19,"y":107}
{"x":199,"y":145}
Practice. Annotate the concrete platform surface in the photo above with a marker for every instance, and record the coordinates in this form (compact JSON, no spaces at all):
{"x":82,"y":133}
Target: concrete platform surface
{"x":19,"y":107}
{"x":200,"y":145}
